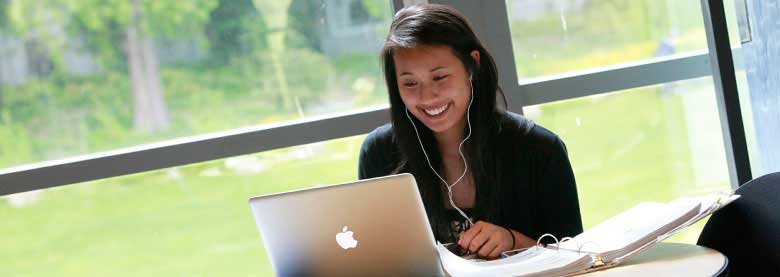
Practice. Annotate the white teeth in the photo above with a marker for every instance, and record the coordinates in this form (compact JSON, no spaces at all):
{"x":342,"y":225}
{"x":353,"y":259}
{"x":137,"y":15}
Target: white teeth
{"x":437,"y":110}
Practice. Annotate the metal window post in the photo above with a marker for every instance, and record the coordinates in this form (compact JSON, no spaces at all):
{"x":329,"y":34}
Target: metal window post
{"x":727,"y":95}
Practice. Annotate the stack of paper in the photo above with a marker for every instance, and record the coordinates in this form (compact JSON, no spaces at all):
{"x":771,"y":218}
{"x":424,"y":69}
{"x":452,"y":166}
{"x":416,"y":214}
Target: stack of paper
{"x":606,"y":244}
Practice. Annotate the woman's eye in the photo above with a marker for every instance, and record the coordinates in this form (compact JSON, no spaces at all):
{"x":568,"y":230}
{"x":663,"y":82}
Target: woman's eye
{"x":410,"y":84}
{"x":439,"y":78}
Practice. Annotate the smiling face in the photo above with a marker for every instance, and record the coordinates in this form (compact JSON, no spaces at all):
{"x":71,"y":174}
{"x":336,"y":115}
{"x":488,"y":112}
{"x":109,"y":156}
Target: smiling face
{"x":434,"y":85}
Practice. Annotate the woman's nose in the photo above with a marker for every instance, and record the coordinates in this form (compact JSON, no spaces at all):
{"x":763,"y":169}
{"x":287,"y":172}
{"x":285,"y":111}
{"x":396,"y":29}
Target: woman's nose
{"x":429,"y":92}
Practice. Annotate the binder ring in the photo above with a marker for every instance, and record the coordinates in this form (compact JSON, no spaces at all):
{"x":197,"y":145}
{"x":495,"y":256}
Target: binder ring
{"x":565,"y":239}
{"x":539,"y":241}
{"x":579,"y":249}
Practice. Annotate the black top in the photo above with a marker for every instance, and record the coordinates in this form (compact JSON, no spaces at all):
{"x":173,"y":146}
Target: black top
{"x":457,"y":223}
{"x":541,"y":193}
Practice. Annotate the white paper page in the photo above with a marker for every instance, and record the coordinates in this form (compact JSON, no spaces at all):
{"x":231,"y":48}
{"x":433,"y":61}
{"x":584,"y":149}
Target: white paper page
{"x":531,"y":261}
{"x":630,"y":226}
{"x":709,"y":204}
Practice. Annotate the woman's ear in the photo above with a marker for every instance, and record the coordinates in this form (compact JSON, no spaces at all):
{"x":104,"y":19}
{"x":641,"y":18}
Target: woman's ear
{"x":475,"y":56}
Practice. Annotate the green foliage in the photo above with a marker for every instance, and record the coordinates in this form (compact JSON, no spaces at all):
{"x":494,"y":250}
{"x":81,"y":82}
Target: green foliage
{"x":43,"y":19}
{"x":308,"y":74}
{"x":16,"y":145}
{"x":377,"y":9}
{"x":365,"y":69}
{"x":173,"y":19}
{"x":201,"y":99}
{"x":3,"y":13}
{"x":85,"y":114}
{"x":235,"y":28}
{"x":102,"y":23}
{"x":306,"y":18}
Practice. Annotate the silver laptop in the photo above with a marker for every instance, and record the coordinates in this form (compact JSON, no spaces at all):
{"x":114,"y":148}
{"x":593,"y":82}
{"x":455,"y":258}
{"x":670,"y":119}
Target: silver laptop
{"x":370,"y":227}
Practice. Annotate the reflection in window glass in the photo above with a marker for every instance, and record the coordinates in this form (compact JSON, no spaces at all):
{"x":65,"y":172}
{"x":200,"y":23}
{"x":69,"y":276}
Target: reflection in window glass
{"x":647,"y":144}
{"x":557,"y":36}
{"x":167,"y":222}
{"x":76,"y":78}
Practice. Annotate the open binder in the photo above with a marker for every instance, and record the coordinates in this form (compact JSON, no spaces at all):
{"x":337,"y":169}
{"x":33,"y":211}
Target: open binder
{"x":603,"y":246}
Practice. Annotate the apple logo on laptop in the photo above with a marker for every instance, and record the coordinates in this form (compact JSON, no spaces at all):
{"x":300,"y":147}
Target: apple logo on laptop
{"x":345,"y":239}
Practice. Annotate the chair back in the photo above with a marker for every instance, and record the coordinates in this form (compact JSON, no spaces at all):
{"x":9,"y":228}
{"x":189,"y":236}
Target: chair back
{"x":748,"y":230}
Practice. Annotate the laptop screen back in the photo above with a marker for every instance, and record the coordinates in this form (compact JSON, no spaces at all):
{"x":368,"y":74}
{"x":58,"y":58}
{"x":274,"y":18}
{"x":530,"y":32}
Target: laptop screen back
{"x":375,"y":226}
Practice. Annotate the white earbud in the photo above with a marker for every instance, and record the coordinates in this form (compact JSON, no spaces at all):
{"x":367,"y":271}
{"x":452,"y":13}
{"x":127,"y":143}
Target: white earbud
{"x":460,"y":150}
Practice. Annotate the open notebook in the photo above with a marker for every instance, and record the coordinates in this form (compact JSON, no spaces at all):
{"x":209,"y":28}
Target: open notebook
{"x":604,"y":245}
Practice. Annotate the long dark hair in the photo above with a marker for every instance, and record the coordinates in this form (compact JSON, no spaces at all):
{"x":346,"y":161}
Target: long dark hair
{"x":432,"y":24}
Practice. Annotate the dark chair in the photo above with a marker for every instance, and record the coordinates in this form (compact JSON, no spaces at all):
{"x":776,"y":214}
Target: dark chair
{"x":748,"y":230}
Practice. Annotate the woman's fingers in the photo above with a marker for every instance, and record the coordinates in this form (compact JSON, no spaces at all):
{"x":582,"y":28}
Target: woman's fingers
{"x":489,"y":246}
{"x":478,"y":241}
{"x":486,"y":240}
{"x":503,"y":244}
{"x":467,"y":236}
{"x":496,"y":252}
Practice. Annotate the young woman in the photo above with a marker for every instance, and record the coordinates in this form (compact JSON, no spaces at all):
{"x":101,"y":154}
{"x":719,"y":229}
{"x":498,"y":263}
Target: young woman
{"x":491,"y":180}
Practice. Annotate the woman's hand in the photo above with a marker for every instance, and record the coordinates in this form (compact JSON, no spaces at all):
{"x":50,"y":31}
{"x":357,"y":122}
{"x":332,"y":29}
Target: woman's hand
{"x":487,"y":240}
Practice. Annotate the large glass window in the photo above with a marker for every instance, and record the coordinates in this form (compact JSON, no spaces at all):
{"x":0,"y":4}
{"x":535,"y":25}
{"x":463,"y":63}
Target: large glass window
{"x":177,"y":221}
{"x":653,"y":143}
{"x":557,"y":36}
{"x":77,"y":77}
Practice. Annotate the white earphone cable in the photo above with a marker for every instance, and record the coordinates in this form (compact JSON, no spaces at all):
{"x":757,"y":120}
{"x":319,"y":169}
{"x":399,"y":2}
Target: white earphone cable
{"x":460,"y":150}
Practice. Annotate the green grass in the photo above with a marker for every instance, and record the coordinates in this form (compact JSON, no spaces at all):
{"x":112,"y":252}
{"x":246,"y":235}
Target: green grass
{"x":153,"y":224}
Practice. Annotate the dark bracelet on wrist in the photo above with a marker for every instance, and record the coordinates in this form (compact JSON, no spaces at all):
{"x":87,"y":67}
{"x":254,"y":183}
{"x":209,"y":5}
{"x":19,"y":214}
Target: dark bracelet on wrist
{"x":513,"y":237}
